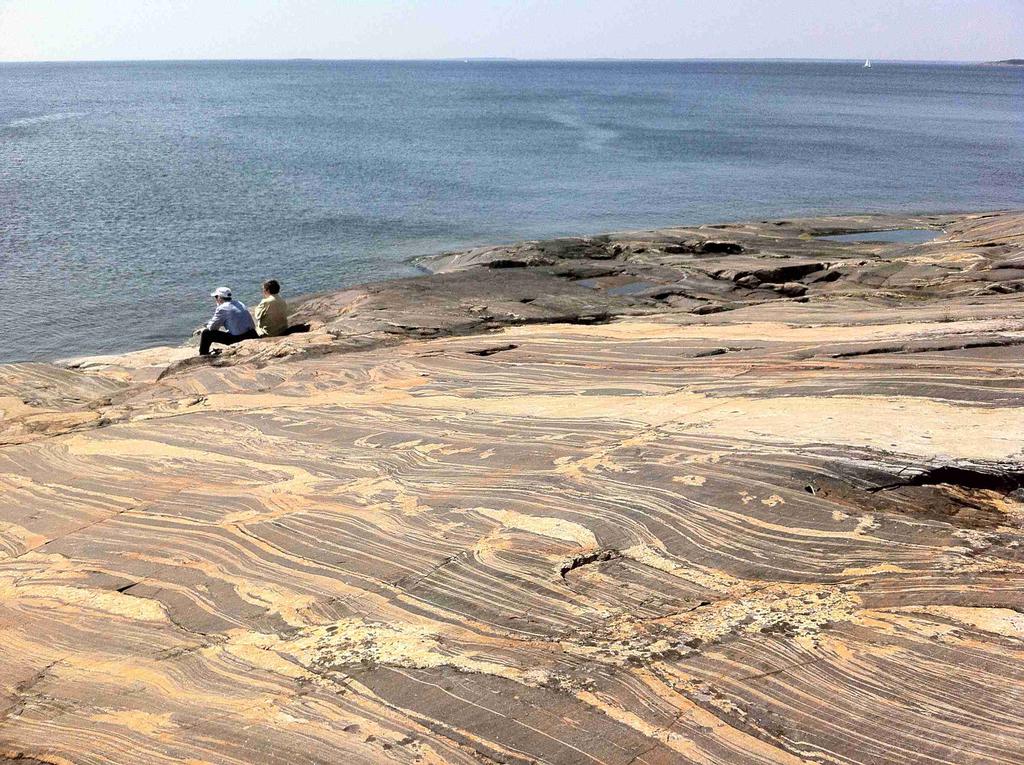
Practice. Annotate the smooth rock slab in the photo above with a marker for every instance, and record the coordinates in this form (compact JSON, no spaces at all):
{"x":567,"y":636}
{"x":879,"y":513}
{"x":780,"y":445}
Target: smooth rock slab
{"x":788,"y":532}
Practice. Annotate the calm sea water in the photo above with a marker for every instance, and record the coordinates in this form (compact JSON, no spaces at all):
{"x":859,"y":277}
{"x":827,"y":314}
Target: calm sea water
{"x":128,"y":191}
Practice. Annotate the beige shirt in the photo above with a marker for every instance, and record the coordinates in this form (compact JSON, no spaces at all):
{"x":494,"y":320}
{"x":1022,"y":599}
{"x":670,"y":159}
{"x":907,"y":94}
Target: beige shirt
{"x":271,"y":316}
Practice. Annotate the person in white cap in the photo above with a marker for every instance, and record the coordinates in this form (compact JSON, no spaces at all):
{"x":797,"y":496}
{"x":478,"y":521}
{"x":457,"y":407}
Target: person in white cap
{"x":231,"y":322}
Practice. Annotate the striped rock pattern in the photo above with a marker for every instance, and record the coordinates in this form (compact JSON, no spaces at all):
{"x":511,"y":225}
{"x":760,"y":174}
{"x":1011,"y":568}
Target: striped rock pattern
{"x":790,"y":532}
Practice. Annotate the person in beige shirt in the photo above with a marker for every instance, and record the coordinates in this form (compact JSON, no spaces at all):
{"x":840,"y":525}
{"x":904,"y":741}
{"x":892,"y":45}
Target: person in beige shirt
{"x":272,"y":312}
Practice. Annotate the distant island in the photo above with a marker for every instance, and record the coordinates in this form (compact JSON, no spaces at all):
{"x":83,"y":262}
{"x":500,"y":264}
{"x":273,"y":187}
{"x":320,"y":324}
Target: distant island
{"x":1010,"y":62}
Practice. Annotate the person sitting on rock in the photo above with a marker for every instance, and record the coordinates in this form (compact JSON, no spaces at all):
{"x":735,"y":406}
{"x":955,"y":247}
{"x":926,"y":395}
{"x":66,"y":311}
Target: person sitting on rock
{"x":272,"y":312}
{"x":231,"y":323}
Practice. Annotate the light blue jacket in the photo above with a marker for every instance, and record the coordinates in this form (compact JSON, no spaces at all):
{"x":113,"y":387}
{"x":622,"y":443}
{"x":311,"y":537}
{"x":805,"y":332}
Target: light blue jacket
{"x":232,"y":316}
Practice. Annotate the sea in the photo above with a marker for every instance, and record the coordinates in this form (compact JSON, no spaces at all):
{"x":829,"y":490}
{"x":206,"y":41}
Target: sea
{"x":128,"y":191}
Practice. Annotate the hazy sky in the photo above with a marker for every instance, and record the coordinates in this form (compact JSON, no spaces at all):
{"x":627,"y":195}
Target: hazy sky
{"x":33,"y":30}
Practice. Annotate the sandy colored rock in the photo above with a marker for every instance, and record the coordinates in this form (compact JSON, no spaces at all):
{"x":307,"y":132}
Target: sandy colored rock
{"x":607,"y":501}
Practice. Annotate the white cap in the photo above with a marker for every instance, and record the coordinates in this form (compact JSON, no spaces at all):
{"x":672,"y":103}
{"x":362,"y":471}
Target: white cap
{"x":222,"y":292}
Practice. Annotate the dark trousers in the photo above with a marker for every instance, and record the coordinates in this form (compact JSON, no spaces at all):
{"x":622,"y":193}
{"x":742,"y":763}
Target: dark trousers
{"x":210,"y":336}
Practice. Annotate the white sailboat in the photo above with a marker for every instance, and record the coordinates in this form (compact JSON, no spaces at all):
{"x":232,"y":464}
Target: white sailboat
{"x":867,"y":63}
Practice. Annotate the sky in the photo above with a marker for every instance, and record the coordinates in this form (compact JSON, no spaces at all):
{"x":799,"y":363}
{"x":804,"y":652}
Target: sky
{"x":80,"y":30}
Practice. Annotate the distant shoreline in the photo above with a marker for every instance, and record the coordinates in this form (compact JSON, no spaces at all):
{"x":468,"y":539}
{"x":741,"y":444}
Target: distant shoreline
{"x":499,"y":60}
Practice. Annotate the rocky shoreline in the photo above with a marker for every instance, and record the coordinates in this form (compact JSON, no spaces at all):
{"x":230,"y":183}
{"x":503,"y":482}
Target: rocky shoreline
{"x":694,"y":269}
{"x":710,"y":494}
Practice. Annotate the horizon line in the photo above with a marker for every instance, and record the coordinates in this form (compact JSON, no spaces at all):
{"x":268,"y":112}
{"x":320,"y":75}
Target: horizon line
{"x":500,"y":59}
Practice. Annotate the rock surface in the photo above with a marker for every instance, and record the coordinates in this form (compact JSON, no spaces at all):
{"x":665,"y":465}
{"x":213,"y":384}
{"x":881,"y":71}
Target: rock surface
{"x":719,"y":494}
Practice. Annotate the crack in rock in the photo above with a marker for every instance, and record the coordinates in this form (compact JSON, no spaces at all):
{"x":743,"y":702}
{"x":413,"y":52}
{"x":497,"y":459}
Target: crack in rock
{"x":493,"y":350}
{"x":586,"y":559}
{"x":1004,"y":482}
